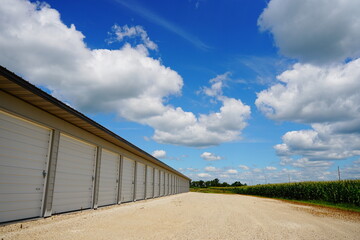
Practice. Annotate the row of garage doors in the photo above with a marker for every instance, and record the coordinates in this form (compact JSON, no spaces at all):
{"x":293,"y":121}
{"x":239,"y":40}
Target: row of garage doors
{"x":86,"y":175}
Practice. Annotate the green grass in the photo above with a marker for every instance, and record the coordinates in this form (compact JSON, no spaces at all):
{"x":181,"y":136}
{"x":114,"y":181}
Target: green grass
{"x":337,"y":194}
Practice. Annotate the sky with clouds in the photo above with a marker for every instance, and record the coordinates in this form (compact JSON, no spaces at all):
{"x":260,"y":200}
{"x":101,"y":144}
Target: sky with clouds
{"x":250,"y":91}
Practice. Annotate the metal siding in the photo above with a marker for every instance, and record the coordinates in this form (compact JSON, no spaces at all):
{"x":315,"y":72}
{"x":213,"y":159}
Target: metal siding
{"x":128,"y":172}
{"x":74,"y":177}
{"x":140,"y":181}
{"x":149,"y":182}
{"x":24,"y":151}
{"x":156,"y":183}
{"x":109,"y":173}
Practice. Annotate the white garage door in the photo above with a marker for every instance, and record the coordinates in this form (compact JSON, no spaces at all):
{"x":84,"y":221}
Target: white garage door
{"x":149,"y":182}
{"x":24,"y":149}
{"x":166,"y":184}
{"x":176,"y":185}
{"x":74,"y":177}
{"x":162,"y":185}
{"x":156,"y":183}
{"x":170,"y":183}
{"x":109,"y":178}
{"x":140,"y":181}
{"x":127,"y":180}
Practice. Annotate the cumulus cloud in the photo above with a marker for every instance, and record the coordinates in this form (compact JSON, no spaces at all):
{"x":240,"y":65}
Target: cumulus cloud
{"x":321,"y":90}
{"x":45,"y":51}
{"x":204,"y":175}
{"x":318,"y":145}
{"x":320,"y":31}
{"x":327,"y":98}
{"x":120,"y":32}
{"x":207,"y":156}
{"x":244,"y":167}
{"x":217,"y":84}
{"x":159,"y":154}
{"x":232,"y":171}
{"x":310,"y":94}
{"x":270,"y":168}
{"x":211,"y":169}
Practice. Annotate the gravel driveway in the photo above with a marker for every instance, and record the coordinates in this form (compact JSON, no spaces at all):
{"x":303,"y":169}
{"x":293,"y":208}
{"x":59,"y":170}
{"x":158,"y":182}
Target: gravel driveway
{"x":194,"y":216}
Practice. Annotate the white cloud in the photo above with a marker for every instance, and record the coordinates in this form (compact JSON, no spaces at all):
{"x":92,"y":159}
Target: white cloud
{"x":311,"y":94}
{"x":204,"y":175}
{"x":244,"y":167}
{"x":159,"y":154}
{"x":270,"y":168}
{"x":211,"y":169}
{"x":125,"y":31}
{"x":304,"y":162}
{"x":217,"y":84}
{"x":318,"y":145}
{"x":192,"y":169}
{"x":232,"y":171}
{"x":314,"y":31}
{"x":45,"y":51}
{"x":327,"y":98}
{"x":207,"y":156}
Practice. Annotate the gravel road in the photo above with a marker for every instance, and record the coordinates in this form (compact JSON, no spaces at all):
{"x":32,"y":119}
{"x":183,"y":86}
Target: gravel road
{"x":194,"y":216}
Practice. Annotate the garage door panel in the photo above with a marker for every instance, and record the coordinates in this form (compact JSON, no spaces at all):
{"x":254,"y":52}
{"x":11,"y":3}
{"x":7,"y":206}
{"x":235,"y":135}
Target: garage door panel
{"x":25,"y":204}
{"x":15,"y":189}
{"x":67,"y":204}
{"x":20,"y":213}
{"x":109,"y":178}
{"x":140,"y":181}
{"x":24,"y":148}
{"x":69,"y":197}
{"x":21,"y":197}
{"x":23,"y":144}
{"x":13,"y":122}
{"x":161,"y":183}
{"x":166,"y":184}
{"x":127,"y":186}
{"x":76,"y":144}
{"x":9,"y":179}
{"x":149,"y":182}
{"x":79,"y":155}
{"x":77,"y":171}
{"x":24,"y":131}
{"x":74,"y":175}
{"x":24,"y":160}
{"x":156,"y":183}
{"x":19,"y":171}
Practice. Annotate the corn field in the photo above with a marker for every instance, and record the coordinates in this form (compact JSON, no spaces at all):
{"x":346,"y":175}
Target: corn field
{"x":346,"y":191}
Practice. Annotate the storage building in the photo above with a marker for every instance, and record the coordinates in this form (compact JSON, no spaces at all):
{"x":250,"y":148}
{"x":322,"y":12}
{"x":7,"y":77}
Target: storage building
{"x":53,"y":159}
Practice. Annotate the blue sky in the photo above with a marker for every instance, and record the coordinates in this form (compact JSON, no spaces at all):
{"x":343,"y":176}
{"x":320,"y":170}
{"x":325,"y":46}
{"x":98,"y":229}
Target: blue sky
{"x":240,"y":90}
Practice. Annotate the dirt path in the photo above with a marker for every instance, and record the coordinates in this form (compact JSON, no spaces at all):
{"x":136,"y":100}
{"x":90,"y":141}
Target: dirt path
{"x":194,"y":216}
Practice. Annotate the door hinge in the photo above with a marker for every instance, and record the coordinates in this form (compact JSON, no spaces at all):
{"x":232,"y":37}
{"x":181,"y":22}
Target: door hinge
{"x":44,"y":173}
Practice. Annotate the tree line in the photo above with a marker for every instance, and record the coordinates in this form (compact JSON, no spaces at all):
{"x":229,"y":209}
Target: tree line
{"x":214,"y":183}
